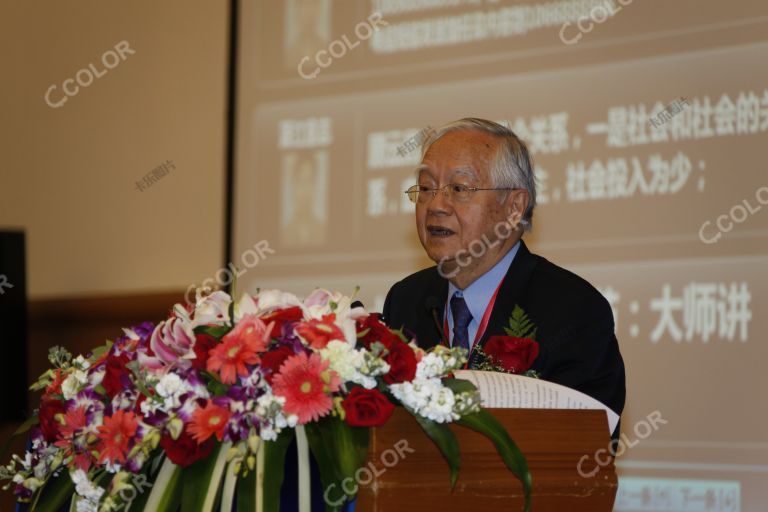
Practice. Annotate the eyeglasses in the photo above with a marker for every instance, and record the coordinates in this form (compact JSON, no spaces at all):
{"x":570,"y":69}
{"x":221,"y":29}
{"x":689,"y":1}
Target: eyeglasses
{"x":453,"y":191}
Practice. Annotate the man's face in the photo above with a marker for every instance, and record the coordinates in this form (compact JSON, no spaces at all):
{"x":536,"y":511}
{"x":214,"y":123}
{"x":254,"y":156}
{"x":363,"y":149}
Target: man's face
{"x":444,"y":225}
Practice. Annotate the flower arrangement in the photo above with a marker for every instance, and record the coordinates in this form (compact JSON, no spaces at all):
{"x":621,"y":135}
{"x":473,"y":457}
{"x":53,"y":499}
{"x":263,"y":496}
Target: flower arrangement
{"x":202,"y":407}
{"x":515,"y":352}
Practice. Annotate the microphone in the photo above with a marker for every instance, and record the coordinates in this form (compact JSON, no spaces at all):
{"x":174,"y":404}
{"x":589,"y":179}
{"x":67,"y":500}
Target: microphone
{"x":433,"y":305}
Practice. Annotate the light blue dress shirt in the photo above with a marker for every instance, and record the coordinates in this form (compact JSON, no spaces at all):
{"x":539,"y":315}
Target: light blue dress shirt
{"x":478,"y":294}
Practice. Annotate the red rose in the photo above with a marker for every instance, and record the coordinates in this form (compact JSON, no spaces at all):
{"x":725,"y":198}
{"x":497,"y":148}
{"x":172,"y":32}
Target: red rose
{"x":516,"y":355}
{"x":370,"y":330}
{"x":402,"y":362}
{"x":274,"y":359}
{"x":401,"y":357}
{"x":203,"y":343}
{"x":367,"y":408}
{"x":185,"y":450}
{"x":281,"y":317}
{"x":49,"y":408}
{"x":117,"y":376}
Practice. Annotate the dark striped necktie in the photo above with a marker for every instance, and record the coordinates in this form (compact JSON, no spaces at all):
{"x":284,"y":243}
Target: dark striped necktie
{"x":461,"y":319}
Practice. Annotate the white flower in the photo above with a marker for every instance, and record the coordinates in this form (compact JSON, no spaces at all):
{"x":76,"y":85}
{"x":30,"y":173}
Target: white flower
{"x":212,"y":309}
{"x":346,"y":361}
{"x":81,"y":362}
{"x":89,"y":492}
{"x":322,"y":302}
{"x":84,"y":505}
{"x":428,"y":398}
{"x":170,"y":388}
{"x":268,"y":300}
{"x":267,"y":433}
{"x":430,"y":366}
{"x":73,"y":383}
{"x":440,"y":407}
{"x":272,"y":419}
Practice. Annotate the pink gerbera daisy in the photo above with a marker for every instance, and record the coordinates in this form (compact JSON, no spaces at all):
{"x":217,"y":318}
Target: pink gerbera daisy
{"x":306,"y":384}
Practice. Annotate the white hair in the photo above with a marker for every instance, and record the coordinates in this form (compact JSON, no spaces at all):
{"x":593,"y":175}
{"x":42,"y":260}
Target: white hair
{"x":511,"y":166}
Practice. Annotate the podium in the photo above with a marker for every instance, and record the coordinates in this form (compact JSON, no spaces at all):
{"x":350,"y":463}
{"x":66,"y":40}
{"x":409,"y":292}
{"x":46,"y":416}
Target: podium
{"x":407,"y":472}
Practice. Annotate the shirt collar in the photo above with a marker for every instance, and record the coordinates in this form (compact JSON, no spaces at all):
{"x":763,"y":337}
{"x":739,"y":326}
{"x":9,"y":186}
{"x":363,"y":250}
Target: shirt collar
{"x":478,"y":294}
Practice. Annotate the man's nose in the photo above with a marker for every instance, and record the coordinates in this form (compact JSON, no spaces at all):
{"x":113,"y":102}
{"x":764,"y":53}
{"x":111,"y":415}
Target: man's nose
{"x":440,"y":203}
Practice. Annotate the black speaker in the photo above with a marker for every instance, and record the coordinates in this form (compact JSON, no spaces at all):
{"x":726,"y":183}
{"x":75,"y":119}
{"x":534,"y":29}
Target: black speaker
{"x":13,"y":326}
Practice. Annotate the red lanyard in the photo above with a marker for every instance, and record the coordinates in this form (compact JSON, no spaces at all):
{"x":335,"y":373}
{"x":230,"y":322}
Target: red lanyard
{"x":483,"y":323}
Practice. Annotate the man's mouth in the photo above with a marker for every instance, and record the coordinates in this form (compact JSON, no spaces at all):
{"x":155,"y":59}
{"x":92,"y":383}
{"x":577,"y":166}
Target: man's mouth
{"x":440,"y":231}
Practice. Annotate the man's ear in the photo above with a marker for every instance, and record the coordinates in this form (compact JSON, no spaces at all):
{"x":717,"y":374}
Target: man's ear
{"x":516,"y":205}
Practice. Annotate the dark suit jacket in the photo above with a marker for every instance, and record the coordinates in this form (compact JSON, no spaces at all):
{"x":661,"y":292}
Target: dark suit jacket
{"x":578,"y":347}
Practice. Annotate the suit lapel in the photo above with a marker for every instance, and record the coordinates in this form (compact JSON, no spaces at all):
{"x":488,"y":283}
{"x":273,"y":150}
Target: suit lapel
{"x":511,"y":292}
{"x":428,"y":333}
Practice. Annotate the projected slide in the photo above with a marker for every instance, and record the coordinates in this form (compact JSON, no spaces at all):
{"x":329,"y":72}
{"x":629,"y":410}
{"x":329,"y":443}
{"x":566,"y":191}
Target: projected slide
{"x":648,"y":123}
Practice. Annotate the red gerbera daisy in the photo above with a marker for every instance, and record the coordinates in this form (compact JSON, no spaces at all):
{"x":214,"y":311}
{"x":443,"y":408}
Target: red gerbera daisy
{"x":306,"y":384}
{"x":207,"y":421}
{"x":74,"y":420}
{"x":115,"y":435}
{"x":318,"y":333}
{"x":238,"y":348}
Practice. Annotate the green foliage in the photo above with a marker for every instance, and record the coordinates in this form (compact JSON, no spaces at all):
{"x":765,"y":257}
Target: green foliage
{"x":212,"y":330}
{"x":446,"y":442}
{"x":274,"y":468}
{"x":486,"y":424}
{"x":520,"y":325}
{"x":55,"y":493}
{"x":201,"y":482}
{"x":339,"y":450}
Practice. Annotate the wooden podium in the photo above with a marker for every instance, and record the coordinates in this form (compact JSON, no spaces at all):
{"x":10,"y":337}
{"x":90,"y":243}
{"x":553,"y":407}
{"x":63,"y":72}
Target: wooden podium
{"x":553,"y":441}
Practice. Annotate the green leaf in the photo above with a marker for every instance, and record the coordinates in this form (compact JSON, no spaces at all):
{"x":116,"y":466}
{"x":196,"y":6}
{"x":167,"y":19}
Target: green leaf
{"x":459,"y":385}
{"x":329,"y":472}
{"x":340,"y":450}
{"x":246,"y":491}
{"x":274,"y":472}
{"x":446,"y":442}
{"x":165,"y":495}
{"x":99,"y":351}
{"x":217,"y":331}
{"x":54,"y":494}
{"x":486,"y":424}
{"x":215,"y":386}
{"x":201,"y":481}
{"x":520,"y":325}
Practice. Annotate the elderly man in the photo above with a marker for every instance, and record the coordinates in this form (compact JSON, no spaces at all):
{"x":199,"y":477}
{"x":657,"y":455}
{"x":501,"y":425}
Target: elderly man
{"x":474,"y":199}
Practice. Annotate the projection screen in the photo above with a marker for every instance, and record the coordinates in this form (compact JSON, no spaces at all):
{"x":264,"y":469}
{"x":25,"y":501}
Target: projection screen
{"x":648,"y":124}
